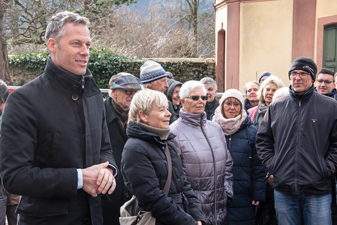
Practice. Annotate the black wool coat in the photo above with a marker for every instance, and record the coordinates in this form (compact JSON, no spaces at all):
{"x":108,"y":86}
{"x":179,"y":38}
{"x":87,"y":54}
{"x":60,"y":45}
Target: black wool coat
{"x":145,"y":171}
{"x":50,"y":127}
{"x":118,"y":139}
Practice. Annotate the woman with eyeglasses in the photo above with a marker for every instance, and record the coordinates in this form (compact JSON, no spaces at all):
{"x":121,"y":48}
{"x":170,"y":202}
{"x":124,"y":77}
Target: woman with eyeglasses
{"x":265,"y":97}
{"x":203,"y":152}
{"x":248,"y":171}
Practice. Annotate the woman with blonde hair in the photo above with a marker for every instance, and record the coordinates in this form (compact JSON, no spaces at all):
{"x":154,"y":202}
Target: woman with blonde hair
{"x":251,"y":88}
{"x":265,"y":97}
{"x":145,"y":163}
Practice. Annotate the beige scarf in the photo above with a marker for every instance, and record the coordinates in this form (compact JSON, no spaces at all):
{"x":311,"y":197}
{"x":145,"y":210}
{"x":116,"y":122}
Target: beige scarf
{"x":229,"y":126}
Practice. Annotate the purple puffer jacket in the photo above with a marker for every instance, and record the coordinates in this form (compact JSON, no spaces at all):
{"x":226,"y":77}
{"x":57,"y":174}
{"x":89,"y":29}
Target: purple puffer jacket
{"x":200,"y":162}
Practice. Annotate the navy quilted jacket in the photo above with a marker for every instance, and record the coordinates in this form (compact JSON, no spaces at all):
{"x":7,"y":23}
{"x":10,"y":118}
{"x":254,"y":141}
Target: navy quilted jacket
{"x":248,"y":174}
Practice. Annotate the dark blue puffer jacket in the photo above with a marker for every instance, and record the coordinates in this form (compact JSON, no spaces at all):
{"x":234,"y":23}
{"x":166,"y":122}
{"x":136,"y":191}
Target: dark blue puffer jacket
{"x":248,"y":175}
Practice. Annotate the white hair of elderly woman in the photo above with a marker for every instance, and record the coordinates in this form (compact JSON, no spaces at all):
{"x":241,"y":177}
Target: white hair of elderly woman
{"x":281,"y":93}
{"x":143,"y":101}
{"x":188,"y":86}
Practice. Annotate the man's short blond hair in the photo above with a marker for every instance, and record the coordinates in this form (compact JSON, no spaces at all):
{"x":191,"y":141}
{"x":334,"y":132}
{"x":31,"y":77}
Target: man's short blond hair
{"x":143,"y":101}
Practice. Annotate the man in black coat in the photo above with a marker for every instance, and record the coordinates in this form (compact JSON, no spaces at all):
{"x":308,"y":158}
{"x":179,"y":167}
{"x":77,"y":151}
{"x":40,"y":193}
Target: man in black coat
{"x":297,"y":142}
{"x":123,"y":87}
{"x":54,"y":142}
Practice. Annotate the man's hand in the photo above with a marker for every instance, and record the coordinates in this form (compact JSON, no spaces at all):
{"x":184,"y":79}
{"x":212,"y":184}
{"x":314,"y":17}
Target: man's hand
{"x":199,"y":222}
{"x":270,"y":180}
{"x":105,"y":181}
{"x":90,"y":178}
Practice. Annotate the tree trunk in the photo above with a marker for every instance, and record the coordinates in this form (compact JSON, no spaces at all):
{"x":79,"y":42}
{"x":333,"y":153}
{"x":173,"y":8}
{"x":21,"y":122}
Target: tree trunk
{"x":4,"y":66}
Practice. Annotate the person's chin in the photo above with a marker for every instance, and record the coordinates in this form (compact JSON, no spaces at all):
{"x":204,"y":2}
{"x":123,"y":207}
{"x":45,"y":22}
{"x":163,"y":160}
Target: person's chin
{"x":165,"y":125}
{"x":323,"y":92}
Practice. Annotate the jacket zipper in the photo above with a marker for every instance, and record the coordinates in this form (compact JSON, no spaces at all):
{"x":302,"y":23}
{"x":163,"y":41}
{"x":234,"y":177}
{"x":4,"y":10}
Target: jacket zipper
{"x":298,"y":140}
{"x":229,"y":143}
{"x":214,"y":167}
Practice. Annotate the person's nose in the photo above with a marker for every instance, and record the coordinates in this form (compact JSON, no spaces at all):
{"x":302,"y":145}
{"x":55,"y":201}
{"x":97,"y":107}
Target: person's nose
{"x":166,"y":84}
{"x":84,"y":50}
{"x":168,"y":113}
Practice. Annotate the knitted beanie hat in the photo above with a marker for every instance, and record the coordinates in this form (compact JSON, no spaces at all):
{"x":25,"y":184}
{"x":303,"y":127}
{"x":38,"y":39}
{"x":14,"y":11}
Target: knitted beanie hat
{"x":306,"y":64}
{"x":231,"y":93}
{"x":151,"y":71}
{"x":264,"y":74}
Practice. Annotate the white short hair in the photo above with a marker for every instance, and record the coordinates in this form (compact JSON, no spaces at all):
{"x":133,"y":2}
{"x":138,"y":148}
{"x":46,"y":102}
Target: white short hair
{"x":188,"y":86}
{"x":143,"y":101}
{"x":281,"y":93}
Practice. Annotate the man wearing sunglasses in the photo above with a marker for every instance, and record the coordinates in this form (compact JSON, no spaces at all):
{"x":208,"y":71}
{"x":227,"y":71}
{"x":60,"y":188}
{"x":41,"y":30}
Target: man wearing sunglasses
{"x":123,"y":87}
{"x":297,"y":142}
{"x":325,"y":83}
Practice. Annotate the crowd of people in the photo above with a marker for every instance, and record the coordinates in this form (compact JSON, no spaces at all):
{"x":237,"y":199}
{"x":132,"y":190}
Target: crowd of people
{"x":66,"y":157}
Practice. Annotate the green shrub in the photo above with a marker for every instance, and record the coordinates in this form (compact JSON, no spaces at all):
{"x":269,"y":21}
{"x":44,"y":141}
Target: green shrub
{"x":103,"y":64}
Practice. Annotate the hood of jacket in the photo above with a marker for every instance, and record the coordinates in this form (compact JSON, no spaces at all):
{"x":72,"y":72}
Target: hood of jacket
{"x":172,"y":85}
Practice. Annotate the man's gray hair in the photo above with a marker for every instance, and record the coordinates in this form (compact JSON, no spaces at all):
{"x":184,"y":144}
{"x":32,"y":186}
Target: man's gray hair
{"x":209,"y":80}
{"x":56,"y":26}
{"x":188,"y":86}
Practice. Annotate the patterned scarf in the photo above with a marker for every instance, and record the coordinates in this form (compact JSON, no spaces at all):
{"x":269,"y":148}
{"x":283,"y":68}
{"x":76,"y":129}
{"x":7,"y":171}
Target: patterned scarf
{"x":121,"y":112}
{"x":229,"y":126}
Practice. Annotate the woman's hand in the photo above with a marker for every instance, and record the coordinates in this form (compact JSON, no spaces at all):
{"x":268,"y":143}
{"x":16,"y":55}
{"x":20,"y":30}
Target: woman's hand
{"x":256,"y":203}
{"x":199,"y":222}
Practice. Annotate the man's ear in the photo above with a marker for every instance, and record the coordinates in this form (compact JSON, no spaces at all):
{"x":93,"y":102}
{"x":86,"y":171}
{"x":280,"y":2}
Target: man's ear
{"x":113,"y":93}
{"x":143,"y":117}
{"x":149,"y":85}
{"x":52,"y":45}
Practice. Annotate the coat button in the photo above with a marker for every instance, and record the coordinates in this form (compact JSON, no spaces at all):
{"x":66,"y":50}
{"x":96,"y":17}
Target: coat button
{"x":74,"y":97}
{"x":86,"y":221}
{"x":127,"y":195}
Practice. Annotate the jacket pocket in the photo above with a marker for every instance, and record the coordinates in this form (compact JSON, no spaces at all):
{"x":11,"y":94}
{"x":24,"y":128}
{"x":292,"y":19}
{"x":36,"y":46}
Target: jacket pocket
{"x":42,"y":207}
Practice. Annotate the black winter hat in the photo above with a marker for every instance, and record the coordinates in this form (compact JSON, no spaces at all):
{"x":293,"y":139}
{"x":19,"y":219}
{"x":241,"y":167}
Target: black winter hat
{"x":306,"y":64}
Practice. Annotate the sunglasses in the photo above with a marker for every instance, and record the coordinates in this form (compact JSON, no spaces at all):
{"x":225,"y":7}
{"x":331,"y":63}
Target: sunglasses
{"x":196,"y":97}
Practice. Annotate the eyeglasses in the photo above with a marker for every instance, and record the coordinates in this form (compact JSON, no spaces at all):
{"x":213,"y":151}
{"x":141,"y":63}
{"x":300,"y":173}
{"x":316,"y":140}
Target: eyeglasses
{"x":324,"y":81}
{"x":130,"y":92}
{"x":196,"y":97}
{"x":230,"y":104}
{"x":293,"y":74}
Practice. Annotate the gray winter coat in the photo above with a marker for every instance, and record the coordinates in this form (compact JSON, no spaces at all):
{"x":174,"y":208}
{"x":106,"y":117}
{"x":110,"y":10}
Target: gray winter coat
{"x":202,"y":164}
